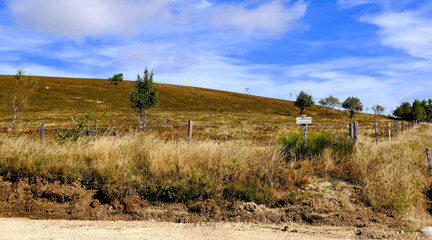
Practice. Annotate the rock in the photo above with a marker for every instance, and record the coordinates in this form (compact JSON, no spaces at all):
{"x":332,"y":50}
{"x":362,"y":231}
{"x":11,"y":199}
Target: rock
{"x":427,"y":231}
{"x":250,"y":207}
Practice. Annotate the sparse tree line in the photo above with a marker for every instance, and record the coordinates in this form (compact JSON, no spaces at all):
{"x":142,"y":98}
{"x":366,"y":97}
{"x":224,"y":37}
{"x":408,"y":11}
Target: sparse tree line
{"x":418,"y":110}
{"x":351,"y":104}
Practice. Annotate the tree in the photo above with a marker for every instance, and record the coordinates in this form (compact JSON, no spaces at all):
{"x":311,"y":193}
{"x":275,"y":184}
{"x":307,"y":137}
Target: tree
{"x":329,"y":103}
{"x":303,"y":101}
{"x":352,"y":104}
{"x":403,"y":111}
{"x":116,"y":78}
{"x":143,"y":97}
{"x":429,"y":110}
{"x":418,"y":112}
{"x":377,"y":109}
{"x":17,"y":99}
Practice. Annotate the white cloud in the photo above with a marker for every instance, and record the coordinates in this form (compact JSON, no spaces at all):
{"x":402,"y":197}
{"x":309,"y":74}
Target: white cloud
{"x":410,"y":31}
{"x":80,"y":18}
{"x":271,"y":17}
{"x":77,"y":18}
{"x":163,"y":57}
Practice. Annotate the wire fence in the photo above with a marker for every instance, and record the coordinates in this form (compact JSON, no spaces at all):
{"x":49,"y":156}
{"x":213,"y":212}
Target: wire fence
{"x":251,"y":133}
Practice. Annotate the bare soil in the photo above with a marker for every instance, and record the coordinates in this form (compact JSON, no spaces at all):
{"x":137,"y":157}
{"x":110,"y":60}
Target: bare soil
{"x":19,"y":228}
{"x":323,"y":210}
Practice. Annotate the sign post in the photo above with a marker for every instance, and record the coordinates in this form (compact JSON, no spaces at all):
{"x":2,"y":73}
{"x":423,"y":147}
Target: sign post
{"x":303,"y":120}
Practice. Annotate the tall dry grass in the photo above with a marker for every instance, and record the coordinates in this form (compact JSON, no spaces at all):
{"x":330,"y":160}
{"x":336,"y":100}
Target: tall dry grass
{"x":392,"y":176}
{"x":155,"y":169}
{"x":395,"y":174}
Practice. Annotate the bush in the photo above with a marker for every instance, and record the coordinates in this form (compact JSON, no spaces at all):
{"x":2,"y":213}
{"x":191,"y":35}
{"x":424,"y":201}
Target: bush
{"x":80,"y":130}
{"x":292,"y":143}
{"x":116,"y":78}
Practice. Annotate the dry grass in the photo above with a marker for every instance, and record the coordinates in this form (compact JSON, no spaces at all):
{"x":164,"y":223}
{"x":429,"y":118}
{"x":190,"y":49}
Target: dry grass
{"x":395,"y":175}
{"x":392,"y":176}
{"x":156,"y":169}
{"x":57,"y":99}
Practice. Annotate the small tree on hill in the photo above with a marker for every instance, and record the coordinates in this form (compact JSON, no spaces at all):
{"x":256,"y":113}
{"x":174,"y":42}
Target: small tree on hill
{"x":143,"y":97}
{"x":303,"y":101}
{"x":116,"y":78}
{"x":352,"y":104}
{"x":377,"y":109}
{"x":329,"y":103}
{"x":17,"y":99}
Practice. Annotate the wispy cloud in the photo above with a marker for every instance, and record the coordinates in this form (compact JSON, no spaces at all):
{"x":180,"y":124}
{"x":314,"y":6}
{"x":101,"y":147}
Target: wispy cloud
{"x":206,"y":43}
{"x":387,"y":4}
{"x":69,"y":18}
{"x":410,"y":31}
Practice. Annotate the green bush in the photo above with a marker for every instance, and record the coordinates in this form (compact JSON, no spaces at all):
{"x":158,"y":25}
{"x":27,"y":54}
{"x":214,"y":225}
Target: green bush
{"x":80,"y":130}
{"x":292,"y":143}
{"x":116,"y":78}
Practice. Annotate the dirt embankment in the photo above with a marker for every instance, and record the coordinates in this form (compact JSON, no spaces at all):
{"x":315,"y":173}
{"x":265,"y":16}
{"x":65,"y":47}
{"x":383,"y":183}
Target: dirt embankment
{"x":319,"y":204}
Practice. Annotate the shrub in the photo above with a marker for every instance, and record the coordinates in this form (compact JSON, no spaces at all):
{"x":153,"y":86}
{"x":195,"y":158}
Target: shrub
{"x":116,"y":78}
{"x":292,"y":143}
{"x":80,"y":130}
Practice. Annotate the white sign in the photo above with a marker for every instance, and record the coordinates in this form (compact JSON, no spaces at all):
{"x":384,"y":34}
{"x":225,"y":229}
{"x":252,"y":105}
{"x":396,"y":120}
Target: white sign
{"x":304,"y":120}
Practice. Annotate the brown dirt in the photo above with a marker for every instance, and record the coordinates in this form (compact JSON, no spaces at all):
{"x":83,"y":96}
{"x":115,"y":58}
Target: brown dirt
{"x":18,"y":228}
{"x":318,"y":204}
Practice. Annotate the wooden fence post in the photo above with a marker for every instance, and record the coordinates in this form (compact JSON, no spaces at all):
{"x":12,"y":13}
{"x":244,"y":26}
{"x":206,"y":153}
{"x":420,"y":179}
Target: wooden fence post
{"x":304,"y":134}
{"x":428,"y":156}
{"x":164,"y":122}
{"x":42,"y":133}
{"x":397,"y":128}
{"x":389,"y":132}
{"x":376,"y":132}
{"x":356,"y":131}
{"x":190,"y":132}
{"x":402,"y":127}
{"x":351,"y":131}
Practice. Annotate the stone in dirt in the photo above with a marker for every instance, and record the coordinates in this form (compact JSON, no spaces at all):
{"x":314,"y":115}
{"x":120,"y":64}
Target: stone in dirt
{"x":427,"y":231}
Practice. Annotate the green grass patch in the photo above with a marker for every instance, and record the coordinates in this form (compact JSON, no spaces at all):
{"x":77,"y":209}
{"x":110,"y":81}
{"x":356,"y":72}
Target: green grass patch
{"x":316,"y":143}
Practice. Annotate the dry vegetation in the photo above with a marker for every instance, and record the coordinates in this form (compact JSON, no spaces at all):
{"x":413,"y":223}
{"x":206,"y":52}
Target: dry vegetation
{"x":58,"y":99}
{"x":160,"y":166}
{"x":392,"y":176}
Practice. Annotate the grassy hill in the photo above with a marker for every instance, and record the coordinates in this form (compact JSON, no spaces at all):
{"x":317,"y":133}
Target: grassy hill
{"x":243,"y":157}
{"x":58,"y":99}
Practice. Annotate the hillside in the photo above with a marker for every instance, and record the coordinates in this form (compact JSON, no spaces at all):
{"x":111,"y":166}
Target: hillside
{"x":242,"y":165}
{"x":57,"y":99}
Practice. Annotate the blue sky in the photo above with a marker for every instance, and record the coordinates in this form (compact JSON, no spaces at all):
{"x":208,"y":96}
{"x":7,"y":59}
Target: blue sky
{"x":377,"y":50}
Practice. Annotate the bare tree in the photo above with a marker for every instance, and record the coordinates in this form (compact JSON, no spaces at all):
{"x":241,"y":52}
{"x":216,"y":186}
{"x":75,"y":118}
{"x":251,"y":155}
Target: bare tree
{"x":17,"y":99}
{"x":377,"y":109}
